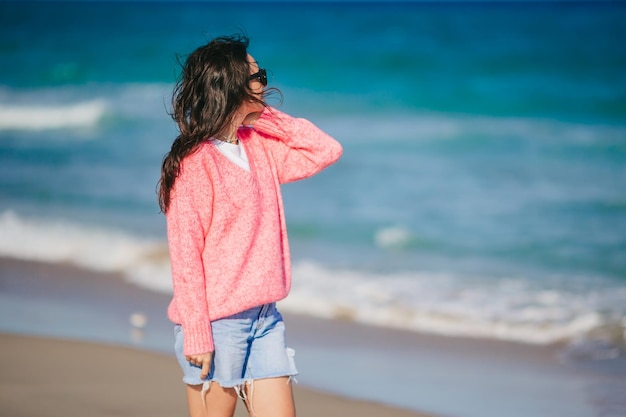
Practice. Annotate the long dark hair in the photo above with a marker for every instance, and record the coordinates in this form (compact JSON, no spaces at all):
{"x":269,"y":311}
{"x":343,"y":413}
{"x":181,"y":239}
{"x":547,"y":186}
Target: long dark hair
{"x":213,"y":83}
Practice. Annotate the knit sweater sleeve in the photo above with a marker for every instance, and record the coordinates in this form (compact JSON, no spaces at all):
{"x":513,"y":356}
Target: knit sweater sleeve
{"x":298,"y":147}
{"x":188,"y":217}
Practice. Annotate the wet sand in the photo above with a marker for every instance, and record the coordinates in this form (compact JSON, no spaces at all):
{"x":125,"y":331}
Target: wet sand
{"x":48,"y":377}
{"x":345,"y":367}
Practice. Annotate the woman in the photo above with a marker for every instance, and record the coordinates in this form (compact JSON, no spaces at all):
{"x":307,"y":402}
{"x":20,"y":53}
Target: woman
{"x":220,"y":192}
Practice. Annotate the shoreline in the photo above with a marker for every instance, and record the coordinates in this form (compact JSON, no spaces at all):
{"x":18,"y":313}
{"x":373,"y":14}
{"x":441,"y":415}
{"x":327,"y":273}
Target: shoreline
{"x":98,"y":380}
{"x":67,"y":335}
{"x":413,"y":372}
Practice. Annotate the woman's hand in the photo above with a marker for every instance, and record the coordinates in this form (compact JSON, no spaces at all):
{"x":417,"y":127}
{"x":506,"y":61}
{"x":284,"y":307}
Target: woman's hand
{"x":203,"y":361}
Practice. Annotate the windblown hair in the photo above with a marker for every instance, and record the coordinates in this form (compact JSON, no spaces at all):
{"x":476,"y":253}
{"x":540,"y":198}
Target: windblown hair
{"x":213,"y":83}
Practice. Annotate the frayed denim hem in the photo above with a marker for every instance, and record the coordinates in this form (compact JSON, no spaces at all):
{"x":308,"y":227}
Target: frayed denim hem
{"x":245,"y":395}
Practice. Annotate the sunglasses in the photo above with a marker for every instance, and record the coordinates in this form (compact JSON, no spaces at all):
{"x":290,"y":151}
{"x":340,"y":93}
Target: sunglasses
{"x":261,"y":76}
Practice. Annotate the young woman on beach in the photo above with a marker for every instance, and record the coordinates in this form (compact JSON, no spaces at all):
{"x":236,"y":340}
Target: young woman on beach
{"x":220,"y":192}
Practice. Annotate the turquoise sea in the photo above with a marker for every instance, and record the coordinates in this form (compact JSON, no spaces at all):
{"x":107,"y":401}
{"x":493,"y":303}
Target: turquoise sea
{"x":482,"y":191}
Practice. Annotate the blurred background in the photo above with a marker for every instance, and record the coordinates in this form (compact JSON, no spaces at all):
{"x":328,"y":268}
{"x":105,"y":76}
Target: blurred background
{"x":482,"y":191}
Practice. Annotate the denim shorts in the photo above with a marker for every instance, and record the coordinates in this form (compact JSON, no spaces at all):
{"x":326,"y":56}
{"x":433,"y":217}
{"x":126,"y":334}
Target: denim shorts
{"x":248,"y":345}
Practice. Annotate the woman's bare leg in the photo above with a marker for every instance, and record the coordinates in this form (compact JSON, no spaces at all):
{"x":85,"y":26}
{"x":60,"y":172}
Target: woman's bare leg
{"x":271,"y":397}
{"x":218,"y":401}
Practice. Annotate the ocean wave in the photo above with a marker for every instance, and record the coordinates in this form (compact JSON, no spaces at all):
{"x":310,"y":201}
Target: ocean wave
{"x":394,"y":237}
{"x":505,"y":309}
{"x":69,"y":107}
{"x":142,"y":261}
{"x":80,"y":107}
{"x":62,"y":116}
{"x":444,"y":304}
{"x":420,"y":126}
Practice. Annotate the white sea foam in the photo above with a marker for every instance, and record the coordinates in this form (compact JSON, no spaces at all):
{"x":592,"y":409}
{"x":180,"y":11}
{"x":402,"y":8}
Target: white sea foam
{"x":80,"y":107}
{"x":507,"y":309}
{"x":44,"y":117}
{"x":143,"y":261}
{"x":438,"y":303}
{"x":394,"y":237}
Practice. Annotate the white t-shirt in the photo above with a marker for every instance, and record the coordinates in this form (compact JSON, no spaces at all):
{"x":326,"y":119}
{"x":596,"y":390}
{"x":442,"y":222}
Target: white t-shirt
{"x":235,"y":152}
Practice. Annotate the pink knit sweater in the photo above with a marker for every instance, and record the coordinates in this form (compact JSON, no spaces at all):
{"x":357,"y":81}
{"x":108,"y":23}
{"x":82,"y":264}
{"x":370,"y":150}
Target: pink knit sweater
{"x":226,"y":226}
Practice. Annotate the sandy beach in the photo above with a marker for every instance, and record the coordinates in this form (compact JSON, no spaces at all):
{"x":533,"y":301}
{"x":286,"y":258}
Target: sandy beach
{"x":61,"y":375}
{"x":62,"y":378}
{"x":69,"y":348}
